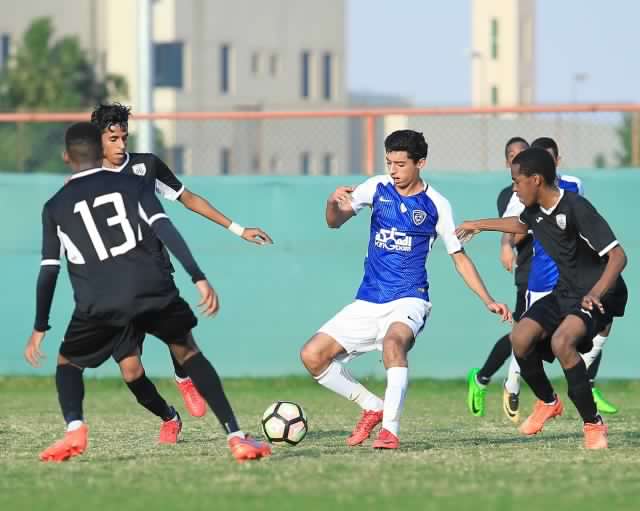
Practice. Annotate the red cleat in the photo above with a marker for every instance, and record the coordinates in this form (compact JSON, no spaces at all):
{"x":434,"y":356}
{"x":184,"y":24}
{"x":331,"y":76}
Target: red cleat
{"x":73,"y":444}
{"x":541,"y":414}
{"x":595,"y":436}
{"x":369,"y":420}
{"x":193,"y":401}
{"x":386,"y":440}
{"x":247,"y":448}
{"x":170,"y":431}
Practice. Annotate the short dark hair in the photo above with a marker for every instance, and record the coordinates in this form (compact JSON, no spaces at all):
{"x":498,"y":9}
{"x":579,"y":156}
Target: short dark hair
{"x":83,"y":143}
{"x":514,"y":140}
{"x":410,"y":141}
{"x":546,"y":143}
{"x":536,"y":160}
{"x":106,"y":115}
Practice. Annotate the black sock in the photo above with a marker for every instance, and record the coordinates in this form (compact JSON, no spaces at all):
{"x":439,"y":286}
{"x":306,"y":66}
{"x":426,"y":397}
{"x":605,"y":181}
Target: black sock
{"x":148,"y":396}
{"x":70,"y":387}
{"x":592,"y":370}
{"x":177,"y":368}
{"x":208,"y":383}
{"x":496,"y":359}
{"x":579,"y":391}
{"x":533,"y":373}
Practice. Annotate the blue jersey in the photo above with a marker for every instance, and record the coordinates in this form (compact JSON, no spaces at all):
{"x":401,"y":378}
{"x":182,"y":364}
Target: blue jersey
{"x":544,"y":274}
{"x":403,"y":231}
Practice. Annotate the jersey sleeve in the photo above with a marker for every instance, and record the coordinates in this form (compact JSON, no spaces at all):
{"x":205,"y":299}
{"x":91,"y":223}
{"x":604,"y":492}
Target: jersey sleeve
{"x":592,"y":228}
{"x":149,"y":207}
{"x":446,"y":226}
{"x":167,"y":184}
{"x":51,"y":246}
{"x":363,"y":194}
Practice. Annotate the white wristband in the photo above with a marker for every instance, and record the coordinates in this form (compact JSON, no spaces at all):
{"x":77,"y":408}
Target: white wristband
{"x":236,"y":229}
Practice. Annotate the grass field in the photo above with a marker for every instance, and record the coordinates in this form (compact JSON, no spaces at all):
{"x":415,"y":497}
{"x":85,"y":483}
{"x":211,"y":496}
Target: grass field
{"x":448,"y":460}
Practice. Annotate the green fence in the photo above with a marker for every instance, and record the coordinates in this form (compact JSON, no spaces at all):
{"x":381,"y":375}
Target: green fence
{"x":273,"y":298}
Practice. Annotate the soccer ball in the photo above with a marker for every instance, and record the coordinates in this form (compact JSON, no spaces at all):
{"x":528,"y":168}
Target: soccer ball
{"x":284,"y":422}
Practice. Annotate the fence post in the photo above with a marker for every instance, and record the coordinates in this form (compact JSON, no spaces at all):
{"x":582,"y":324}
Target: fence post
{"x":369,"y":144}
{"x":635,"y":139}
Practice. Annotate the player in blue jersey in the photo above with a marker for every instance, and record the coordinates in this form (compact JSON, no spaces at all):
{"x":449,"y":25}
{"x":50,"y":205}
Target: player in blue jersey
{"x":392,"y":303}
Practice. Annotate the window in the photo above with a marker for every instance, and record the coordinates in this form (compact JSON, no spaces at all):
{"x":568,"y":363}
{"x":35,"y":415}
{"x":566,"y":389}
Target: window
{"x":255,"y":63}
{"x":327,"y":164}
{"x":305,"y":70}
{"x":494,"y":39}
{"x":305,"y":163}
{"x":327,"y":76}
{"x":168,"y":65}
{"x":225,"y":69}
{"x":5,"y":42}
{"x":495,"y":98}
{"x":225,"y":161}
{"x":273,"y":64}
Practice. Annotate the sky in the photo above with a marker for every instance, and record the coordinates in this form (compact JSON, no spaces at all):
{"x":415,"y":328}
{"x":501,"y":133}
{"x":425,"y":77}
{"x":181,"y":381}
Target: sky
{"x":420,"y":49}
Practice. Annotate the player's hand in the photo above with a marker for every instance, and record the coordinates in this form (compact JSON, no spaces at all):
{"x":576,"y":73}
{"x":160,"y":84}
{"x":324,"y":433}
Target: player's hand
{"x":342,"y":195}
{"x":501,"y":310}
{"x":32,"y":352}
{"x":507,"y":257}
{"x":466,"y":230}
{"x":209,"y":303}
{"x":590,"y":301}
{"x":257,"y":236}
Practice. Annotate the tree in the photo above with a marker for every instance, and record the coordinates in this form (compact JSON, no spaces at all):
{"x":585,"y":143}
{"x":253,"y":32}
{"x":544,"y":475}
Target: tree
{"x":47,"y":75}
{"x":625,"y":134}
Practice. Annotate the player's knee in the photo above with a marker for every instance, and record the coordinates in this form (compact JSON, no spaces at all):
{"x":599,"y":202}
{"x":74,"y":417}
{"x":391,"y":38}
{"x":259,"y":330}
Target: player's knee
{"x":520,"y":344}
{"x":563,"y":347}
{"x":313,"y":359}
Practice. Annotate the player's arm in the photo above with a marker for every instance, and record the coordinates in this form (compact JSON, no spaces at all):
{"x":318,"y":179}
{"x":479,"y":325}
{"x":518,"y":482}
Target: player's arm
{"x":466,"y":230}
{"x":152,"y":213}
{"x":170,"y":187}
{"x":339,"y":208}
{"x":45,"y":288}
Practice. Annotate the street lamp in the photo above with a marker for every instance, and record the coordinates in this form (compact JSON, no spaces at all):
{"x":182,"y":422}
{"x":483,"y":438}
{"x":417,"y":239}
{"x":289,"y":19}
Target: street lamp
{"x":577,"y":78}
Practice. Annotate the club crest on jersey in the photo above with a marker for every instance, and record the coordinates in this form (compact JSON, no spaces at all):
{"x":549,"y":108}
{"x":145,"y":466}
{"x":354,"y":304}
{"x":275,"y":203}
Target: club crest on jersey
{"x":139,"y":169}
{"x":419,"y":216}
{"x":561,"y":220}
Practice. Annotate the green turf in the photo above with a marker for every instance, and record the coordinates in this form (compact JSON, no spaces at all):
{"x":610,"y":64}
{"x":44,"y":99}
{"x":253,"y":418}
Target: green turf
{"x":448,"y":460}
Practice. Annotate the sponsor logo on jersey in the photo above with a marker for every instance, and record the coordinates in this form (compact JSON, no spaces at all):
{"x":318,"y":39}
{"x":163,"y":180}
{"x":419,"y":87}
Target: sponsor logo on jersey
{"x":392,"y":240}
{"x":382,"y":199}
{"x":419,"y":216}
{"x":403,"y":208}
{"x":139,"y":169}
{"x":561,"y":220}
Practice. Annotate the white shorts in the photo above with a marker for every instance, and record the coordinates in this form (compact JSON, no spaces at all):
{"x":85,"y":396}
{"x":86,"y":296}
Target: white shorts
{"x":533,"y":296}
{"x":361,"y":326}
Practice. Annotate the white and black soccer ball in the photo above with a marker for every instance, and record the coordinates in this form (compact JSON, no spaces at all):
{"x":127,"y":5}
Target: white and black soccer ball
{"x":284,"y":422}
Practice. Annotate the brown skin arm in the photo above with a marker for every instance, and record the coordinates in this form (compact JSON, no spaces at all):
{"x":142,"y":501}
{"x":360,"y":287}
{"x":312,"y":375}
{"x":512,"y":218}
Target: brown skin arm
{"x":467,"y":230}
{"x":616,"y":263}
{"x":203,"y":207}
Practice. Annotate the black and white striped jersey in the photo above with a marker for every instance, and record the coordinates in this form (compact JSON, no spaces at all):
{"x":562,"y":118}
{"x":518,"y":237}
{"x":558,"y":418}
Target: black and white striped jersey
{"x":100,"y":221}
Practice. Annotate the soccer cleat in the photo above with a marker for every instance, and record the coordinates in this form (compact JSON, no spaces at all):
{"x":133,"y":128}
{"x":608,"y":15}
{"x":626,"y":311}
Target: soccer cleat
{"x":73,"y":444}
{"x":170,"y":430}
{"x":476,"y":394}
{"x":541,"y":414}
{"x":595,"y":436}
{"x":511,"y":405}
{"x":193,"y":401}
{"x":386,"y":440}
{"x":603,"y":405}
{"x":369,"y":420}
{"x":247,"y":448}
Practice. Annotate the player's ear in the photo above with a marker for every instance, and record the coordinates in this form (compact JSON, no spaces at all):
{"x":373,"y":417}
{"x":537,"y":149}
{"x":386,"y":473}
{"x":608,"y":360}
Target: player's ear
{"x":422,"y":163}
{"x":65,"y":158}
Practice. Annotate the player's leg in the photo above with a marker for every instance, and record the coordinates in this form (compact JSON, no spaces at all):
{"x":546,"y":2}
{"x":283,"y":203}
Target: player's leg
{"x":193,"y":401}
{"x":511,"y":392}
{"x":564,"y":345}
{"x":592,"y":359}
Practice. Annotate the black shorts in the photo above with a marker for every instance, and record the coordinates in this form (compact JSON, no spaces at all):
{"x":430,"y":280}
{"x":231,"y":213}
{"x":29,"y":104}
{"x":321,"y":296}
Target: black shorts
{"x":521,"y":304}
{"x":90,"y":343}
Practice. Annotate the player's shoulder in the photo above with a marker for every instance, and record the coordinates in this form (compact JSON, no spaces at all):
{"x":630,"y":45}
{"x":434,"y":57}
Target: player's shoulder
{"x":570,"y":183}
{"x":143,"y":163}
{"x":505,"y":194}
{"x":439,"y":200}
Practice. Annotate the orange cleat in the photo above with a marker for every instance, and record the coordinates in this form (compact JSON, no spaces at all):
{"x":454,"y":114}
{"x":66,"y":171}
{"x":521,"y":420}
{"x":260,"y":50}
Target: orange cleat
{"x":170,"y":430}
{"x":595,"y":436}
{"x":368,"y":421}
{"x":193,"y":401}
{"x":386,"y":440}
{"x":247,"y":448}
{"x":73,"y":444}
{"x":541,"y":414}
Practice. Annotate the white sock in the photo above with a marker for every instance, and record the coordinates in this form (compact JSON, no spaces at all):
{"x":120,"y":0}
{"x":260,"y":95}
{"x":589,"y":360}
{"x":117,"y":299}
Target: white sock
{"x":73,"y":425}
{"x":598,"y":343}
{"x":337,"y":378}
{"x":180,"y":380}
{"x":512,"y":383}
{"x":239,"y":434}
{"x":397,"y":383}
